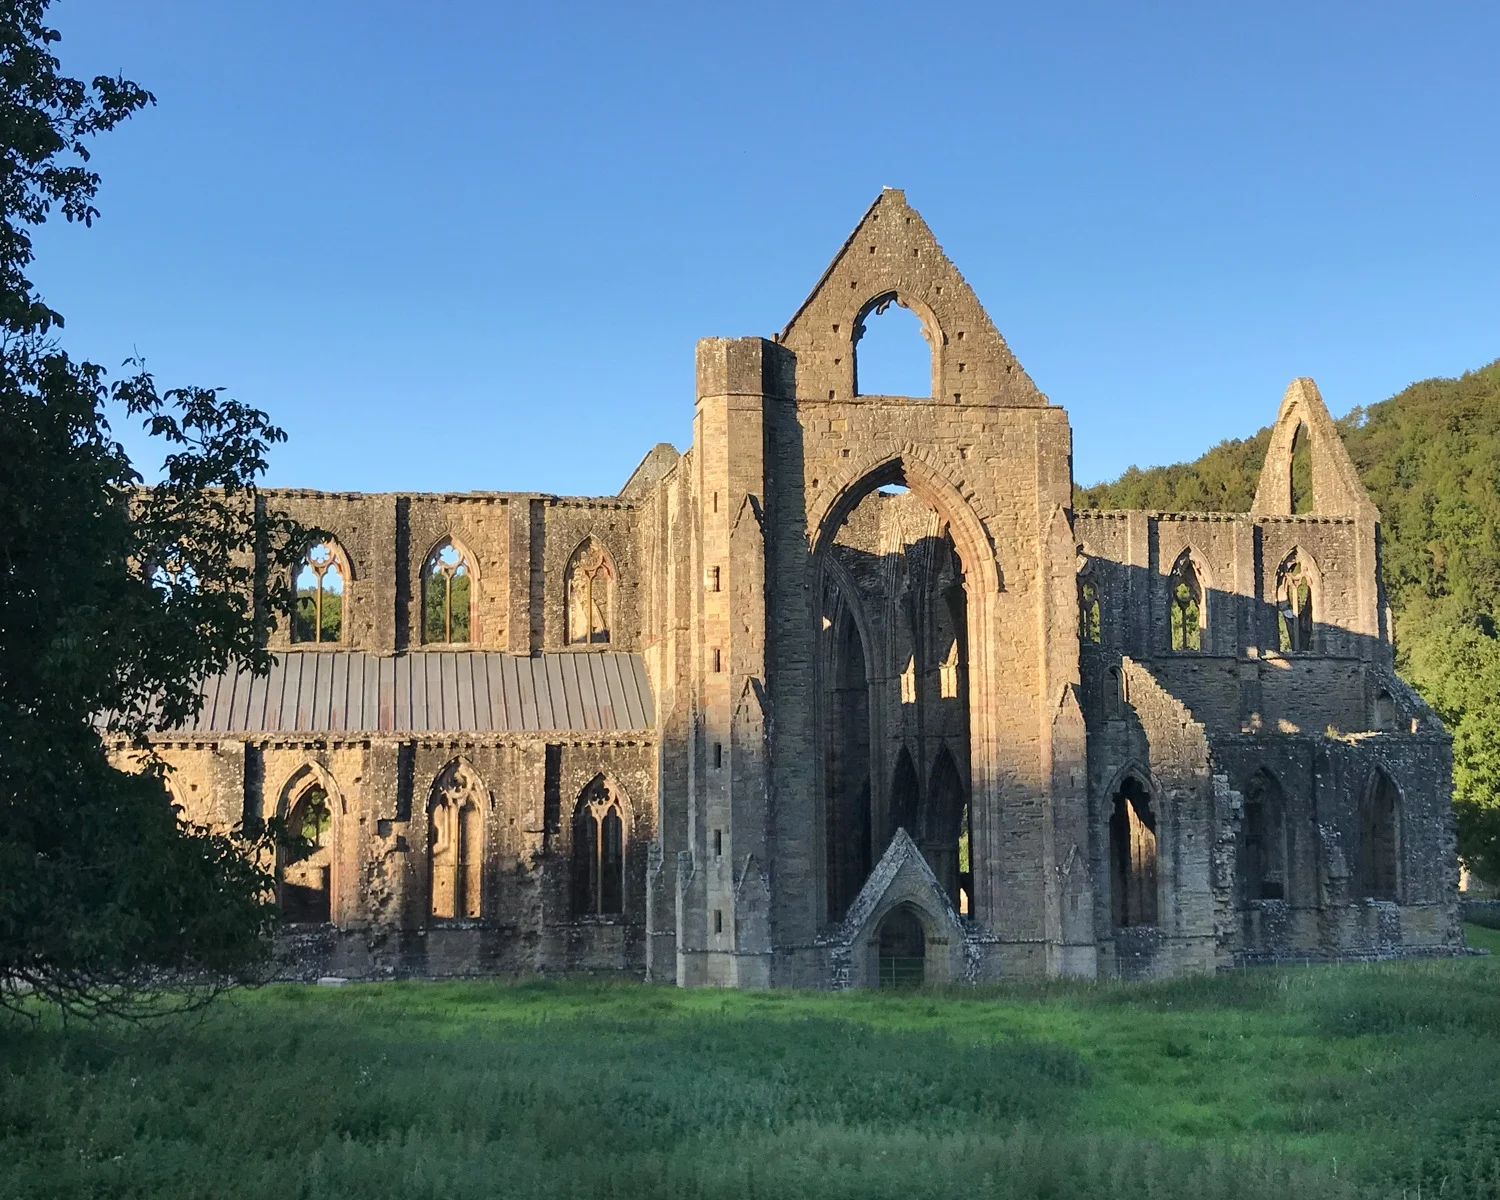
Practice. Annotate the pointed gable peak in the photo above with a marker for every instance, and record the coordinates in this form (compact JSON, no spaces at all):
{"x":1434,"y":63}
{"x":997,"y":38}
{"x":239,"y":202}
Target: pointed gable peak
{"x":1335,"y":483}
{"x":902,"y":876}
{"x":892,"y":256}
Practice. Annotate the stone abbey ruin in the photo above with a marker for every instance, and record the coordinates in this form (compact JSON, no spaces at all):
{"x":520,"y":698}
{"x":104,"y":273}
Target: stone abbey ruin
{"x":845,"y":694}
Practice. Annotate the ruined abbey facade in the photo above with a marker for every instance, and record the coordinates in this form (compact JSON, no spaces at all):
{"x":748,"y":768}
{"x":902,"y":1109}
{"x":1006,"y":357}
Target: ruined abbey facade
{"x":847,"y":693}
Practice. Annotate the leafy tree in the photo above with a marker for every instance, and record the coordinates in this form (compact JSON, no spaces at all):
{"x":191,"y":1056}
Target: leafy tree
{"x":1430,"y":457}
{"x":116,"y":599}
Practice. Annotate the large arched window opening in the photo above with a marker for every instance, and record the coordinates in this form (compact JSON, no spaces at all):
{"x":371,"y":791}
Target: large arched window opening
{"x":899,"y":605}
{"x":590,"y":585}
{"x":448,"y":595}
{"x":1132,"y":856}
{"x":318,"y":610}
{"x":1263,"y":856}
{"x":598,"y":852}
{"x":1378,"y":875}
{"x":305,"y":857}
{"x":1294,"y":605}
{"x":1187,"y":614}
{"x":893,"y":353}
{"x":455,"y":843}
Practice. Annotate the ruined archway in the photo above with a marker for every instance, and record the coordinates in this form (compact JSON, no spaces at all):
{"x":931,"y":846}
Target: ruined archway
{"x":894,"y":691}
{"x":306,"y":883}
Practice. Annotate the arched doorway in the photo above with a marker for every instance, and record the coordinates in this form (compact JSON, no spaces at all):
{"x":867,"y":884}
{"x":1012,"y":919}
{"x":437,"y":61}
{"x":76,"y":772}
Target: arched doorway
{"x":902,"y":949}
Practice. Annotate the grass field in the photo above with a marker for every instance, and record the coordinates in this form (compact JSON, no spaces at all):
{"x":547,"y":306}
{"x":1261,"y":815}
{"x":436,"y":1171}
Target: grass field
{"x":1352,"y":1081}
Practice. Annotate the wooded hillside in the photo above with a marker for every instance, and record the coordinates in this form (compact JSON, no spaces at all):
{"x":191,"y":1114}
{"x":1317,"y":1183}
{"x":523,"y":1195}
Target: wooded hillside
{"x":1430,"y":457}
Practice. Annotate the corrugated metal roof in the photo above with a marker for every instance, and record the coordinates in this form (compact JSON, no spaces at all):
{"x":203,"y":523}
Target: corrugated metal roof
{"x":432,"y":691}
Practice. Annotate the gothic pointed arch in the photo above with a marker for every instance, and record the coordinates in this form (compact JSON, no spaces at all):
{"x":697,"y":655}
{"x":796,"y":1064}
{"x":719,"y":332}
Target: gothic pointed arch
{"x":927,"y":325}
{"x":945,"y":832}
{"x":600,"y":835}
{"x":1296,"y":602}
{"x":1090,"y":608}
{"x":846,"y":717}
{"x":306,"y":807}
{"x":1262,"y":843}
{"x":907,"y":466}
{"x":1377,"y":874}
{"x":892,"y":251}
{"x":456,"y":811}
{"x":904,"y":806}
{"x":449,"y":586}
{"x":1307,"y":467}
{"x":1187,"y":602}
{"x":1133,"y":865}
{"x":589,"y":589}
{"x":321,"y":585}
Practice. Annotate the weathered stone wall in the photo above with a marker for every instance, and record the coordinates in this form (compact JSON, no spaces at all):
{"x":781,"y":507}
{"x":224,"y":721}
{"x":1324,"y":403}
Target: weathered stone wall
{"x":379,"y":793}
{"x":729,"y":565}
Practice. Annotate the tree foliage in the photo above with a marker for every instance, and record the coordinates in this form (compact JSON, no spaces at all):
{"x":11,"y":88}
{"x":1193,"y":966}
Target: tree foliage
{"x":117,"y":599}
{"x":1430,"y":457}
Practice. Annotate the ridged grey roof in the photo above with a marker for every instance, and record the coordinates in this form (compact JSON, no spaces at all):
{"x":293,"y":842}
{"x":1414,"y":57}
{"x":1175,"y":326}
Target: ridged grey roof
{"x":431,"y":691}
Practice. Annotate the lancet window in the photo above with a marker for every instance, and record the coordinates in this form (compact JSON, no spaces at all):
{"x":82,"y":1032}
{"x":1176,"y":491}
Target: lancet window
{"x":1089,"y":629}
{"x":1377,"y":874}
{"x":1263,"y":855}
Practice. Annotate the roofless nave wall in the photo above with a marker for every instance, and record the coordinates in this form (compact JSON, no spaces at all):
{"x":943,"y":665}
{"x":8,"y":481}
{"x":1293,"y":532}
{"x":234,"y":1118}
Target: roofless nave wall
{"x":847,"y":693}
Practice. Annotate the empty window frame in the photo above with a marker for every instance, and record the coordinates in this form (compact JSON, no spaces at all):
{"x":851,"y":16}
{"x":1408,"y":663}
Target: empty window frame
{"x":1186,"y":613}
{"x":447,"y":595}
{"x":1132,"y":856}
{"x":318,"y":610}
{"x":1089,"y":627}
{"x":598,"y":853}
{"x":455,"y":843}
{"x":590,"y":585}
{"x":1294,"y":606}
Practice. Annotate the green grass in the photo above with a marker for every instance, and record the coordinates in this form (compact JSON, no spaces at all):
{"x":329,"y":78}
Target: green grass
{"x":1359,"y":1081}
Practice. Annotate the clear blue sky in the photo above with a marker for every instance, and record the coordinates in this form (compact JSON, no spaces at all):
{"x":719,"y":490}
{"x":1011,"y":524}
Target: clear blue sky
{"x":460,"y":245}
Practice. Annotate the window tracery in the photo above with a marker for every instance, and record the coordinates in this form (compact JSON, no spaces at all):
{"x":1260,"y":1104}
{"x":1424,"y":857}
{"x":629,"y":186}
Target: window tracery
{"x":1294,"y":606}
{"x":448,"y":595}
{"x":455,"y":844}
{"x":590,"y":585}
{"x":1185,"y":595}
{"x":598,"y":853}
{"x":318,"y":614}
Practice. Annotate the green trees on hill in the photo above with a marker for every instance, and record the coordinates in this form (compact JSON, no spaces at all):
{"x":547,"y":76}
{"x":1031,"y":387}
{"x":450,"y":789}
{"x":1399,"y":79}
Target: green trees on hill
{"x":1430,"y":457}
